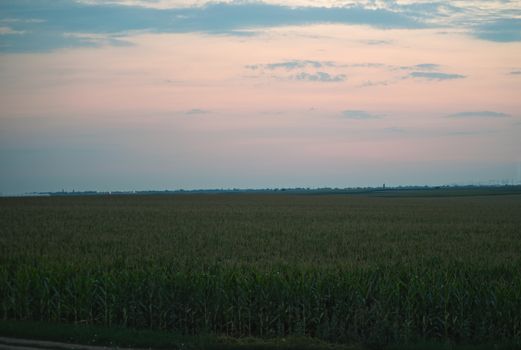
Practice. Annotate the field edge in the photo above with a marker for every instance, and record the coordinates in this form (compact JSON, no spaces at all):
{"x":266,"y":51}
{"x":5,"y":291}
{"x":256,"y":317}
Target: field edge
{"x":151,"y":339}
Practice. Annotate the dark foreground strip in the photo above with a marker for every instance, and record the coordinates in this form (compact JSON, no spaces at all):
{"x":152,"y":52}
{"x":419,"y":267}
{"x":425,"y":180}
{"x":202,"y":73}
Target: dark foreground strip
{"x":12,"y":347}
{"x":23,"y":344}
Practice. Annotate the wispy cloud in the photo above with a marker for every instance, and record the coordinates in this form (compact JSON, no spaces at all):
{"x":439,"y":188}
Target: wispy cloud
{"x":422,"y":66}
{"x":377,"y":42}
{"x":235,"y":18}
{"x":308,"y":70}
{"x":478,"y":114}
{"x":47,"y":20}
{"x":293,"y":64}
{"x":435,"y":76}
{"x":320,"y":77}
{"x":235,"y":32}
{"x":371,"y":83}
{"x":416,"y":67}
{"x":196,"y":111}
{"x":501,"y":30}
{"x":421,"y":71}
{"x":468,"y":132}
{"x":425,"y":71}
{"x":10,"y":31}
{"x":20,"y":20}
{"x":515,"y":72}
{"x":90,"y":39}
{"x":360,"y":115}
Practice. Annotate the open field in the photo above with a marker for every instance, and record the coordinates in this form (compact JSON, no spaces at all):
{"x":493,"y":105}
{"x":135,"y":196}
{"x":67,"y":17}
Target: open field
{"x":353,"y":269}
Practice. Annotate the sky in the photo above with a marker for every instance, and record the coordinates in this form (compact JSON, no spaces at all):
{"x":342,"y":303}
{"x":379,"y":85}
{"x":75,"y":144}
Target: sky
{"x":192,"y":94}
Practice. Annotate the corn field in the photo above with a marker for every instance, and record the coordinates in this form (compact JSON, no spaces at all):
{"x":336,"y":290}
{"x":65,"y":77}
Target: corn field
{"x":339,"y":268}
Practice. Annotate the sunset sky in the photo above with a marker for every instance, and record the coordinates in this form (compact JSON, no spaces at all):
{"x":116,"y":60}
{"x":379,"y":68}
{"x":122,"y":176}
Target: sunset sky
{"x":170,"y":94}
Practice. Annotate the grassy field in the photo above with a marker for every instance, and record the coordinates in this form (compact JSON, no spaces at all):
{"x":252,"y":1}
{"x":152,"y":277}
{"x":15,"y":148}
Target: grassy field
{"x":375,"y":269}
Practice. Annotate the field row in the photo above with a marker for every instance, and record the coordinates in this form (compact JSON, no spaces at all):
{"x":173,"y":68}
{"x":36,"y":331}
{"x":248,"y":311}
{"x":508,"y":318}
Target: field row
{"x":384,"y":305}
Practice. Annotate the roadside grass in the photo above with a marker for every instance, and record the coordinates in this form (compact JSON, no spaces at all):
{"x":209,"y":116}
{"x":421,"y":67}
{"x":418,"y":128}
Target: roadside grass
{"x":125,"y":337}
{"x":150,"y":339}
